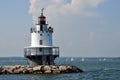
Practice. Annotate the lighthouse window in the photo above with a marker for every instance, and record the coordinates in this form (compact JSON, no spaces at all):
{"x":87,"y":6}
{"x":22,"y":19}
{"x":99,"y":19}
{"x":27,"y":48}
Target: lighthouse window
{"x":41,"y":42}
{"x":40,"y":34}
{"x":41,"y":28}
{"x":40,"y":49}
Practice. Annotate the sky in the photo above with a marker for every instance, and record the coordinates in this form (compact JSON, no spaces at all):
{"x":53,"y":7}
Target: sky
{"x":82,"y":28}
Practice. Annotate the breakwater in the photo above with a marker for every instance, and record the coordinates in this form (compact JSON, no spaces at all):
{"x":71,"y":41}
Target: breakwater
{"x":40,"y":69}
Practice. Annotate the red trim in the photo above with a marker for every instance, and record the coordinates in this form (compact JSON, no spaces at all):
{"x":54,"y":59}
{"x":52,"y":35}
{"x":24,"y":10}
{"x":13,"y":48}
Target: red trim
{"x":42,"y":19}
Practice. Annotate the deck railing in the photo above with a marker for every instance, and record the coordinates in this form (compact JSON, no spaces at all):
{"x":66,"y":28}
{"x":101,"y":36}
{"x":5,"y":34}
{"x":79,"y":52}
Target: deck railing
{"x":52,"y":51}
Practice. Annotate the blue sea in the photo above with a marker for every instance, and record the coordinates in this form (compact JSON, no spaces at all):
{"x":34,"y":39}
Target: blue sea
{"x":99,"y":68}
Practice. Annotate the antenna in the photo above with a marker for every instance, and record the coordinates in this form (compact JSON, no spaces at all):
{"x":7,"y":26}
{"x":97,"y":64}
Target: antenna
{"x":42,"y":11}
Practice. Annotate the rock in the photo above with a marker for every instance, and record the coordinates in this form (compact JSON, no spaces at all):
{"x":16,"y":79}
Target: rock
{"x":26,"y":71}
{"x":56,"y":71}
{"x":54,"y":67}
{"x":1,"y":70}
{"x":17,"y":66}
{"x":18,"y":71}
{"x":36,"y":68}
{"x":42,"y":69}
{"x":9,"y":71}
{"x":30,"y":70}
{"x":62,"y":68}
{"x":68,"y":70}
{"x":45,"y":69}
{"x":48,"y":72}
{"x":76,"y":69}
{"x":69,"y":67}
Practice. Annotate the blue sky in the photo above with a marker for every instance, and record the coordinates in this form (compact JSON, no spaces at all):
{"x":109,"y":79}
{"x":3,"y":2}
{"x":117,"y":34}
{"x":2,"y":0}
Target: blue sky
{"x":82,"y":29}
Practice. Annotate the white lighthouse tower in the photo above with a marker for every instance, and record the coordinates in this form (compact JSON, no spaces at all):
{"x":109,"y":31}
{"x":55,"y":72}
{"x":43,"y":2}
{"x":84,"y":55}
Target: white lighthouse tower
{"x":41,"y":51}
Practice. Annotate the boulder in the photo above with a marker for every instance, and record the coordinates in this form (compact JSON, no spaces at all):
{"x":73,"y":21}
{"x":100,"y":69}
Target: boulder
{"x":18,"y":71}
{"x":54,"y":67}
{"x":26,"y":71}
{"x":62,"y":68}
{"x":56,"y":71}
{"x":17,"y":66}
{"x":47,"y":69}
{"x":10,"y":71}
{"x":76,"y":69}
{"x":48,"y":72}
{"x":30,"y":70}
{"x":69,"y":67}
{"x":36,"y":68}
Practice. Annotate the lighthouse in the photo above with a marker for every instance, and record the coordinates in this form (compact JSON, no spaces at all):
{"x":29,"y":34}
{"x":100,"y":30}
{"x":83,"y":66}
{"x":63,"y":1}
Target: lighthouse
{"x":41,"y":51}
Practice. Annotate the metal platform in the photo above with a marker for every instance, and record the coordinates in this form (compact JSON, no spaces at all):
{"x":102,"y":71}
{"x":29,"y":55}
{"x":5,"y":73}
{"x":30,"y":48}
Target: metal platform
{"x":41,"y":59}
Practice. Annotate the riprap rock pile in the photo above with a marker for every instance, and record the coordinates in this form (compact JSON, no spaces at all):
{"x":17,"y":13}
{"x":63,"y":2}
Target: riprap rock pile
{"x":41,"y":69}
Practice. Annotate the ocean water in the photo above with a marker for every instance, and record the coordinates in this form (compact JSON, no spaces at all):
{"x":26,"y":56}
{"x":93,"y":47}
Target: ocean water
{"x":94,"y":69}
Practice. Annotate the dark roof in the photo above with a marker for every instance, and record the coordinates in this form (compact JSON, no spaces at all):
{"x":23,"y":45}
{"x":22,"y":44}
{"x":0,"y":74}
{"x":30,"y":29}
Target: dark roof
{"x":42,"y":16}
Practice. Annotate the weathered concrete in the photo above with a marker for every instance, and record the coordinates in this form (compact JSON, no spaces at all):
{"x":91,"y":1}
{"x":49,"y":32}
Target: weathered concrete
{"x":42,"y":69}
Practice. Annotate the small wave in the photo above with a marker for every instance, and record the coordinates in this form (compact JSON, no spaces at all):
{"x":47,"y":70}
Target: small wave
{"x":111,"y":69}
